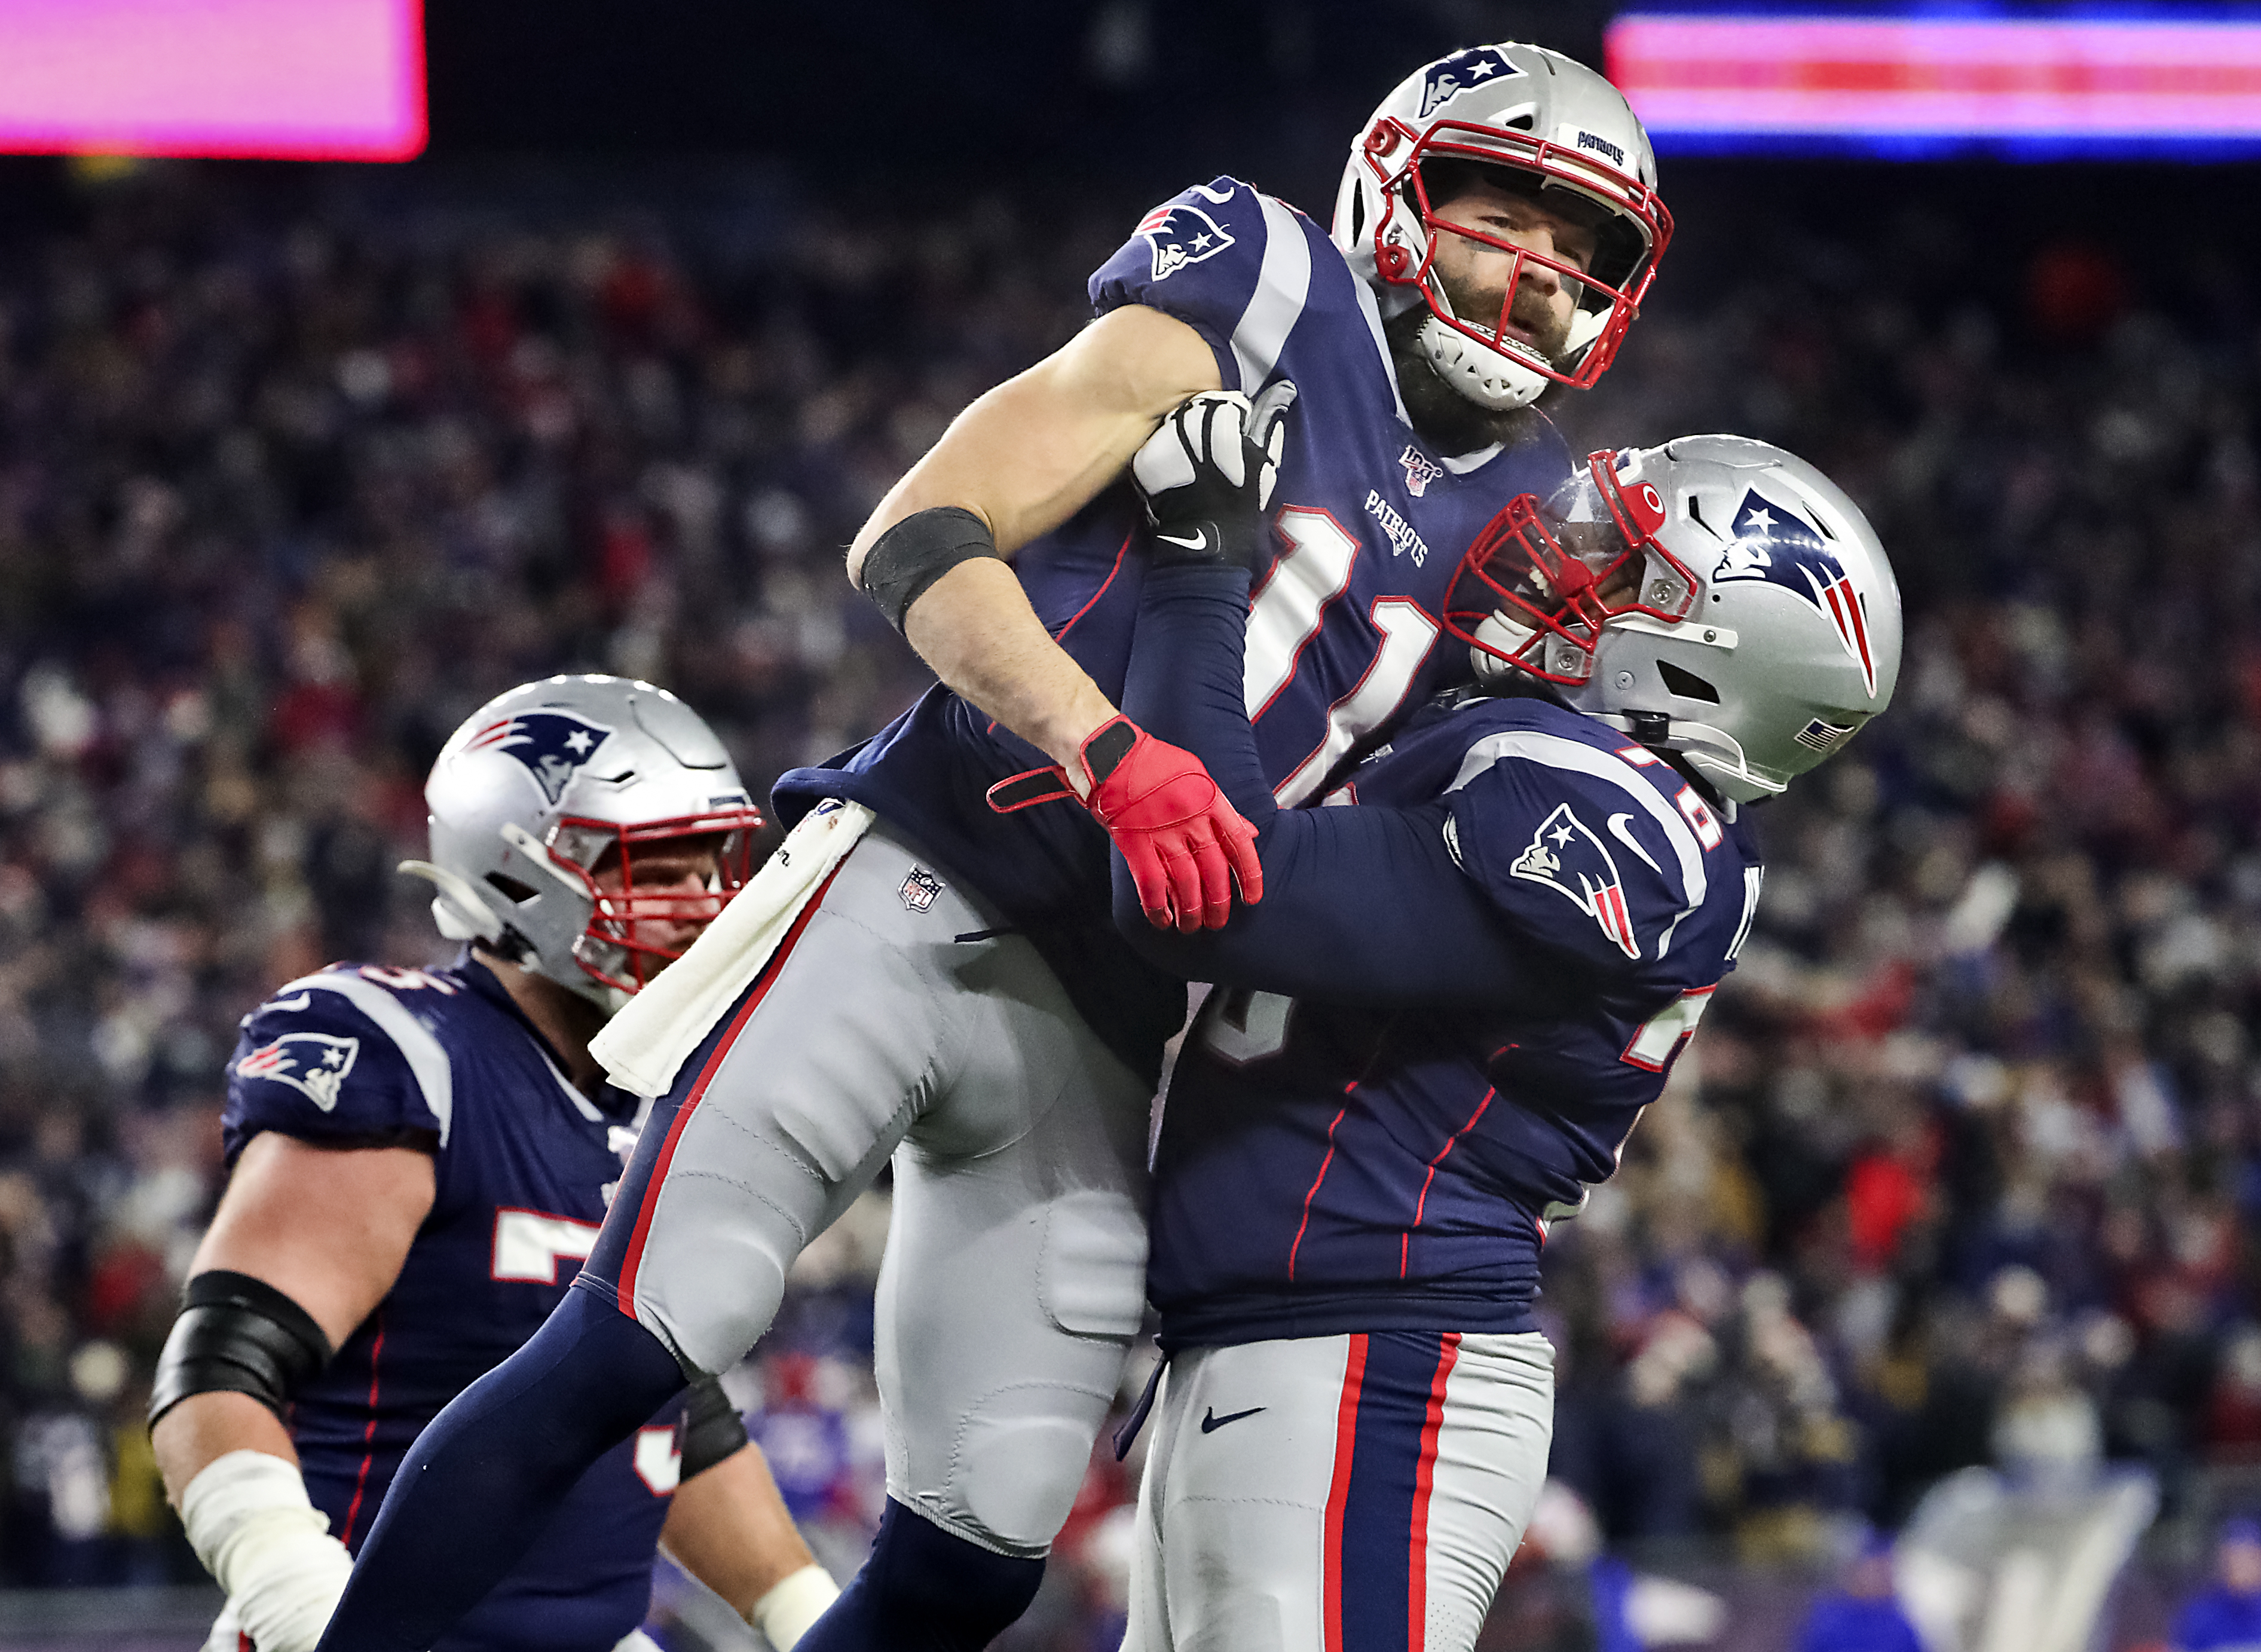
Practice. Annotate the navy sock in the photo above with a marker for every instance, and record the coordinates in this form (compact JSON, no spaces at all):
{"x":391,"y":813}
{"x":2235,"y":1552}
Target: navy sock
{"x":925,"y":1591}
{"x":480,"y":1484}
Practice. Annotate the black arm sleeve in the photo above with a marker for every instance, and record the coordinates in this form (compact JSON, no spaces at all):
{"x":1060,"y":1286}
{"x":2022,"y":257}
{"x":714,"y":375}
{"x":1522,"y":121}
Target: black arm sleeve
{"x":1360,"y":905}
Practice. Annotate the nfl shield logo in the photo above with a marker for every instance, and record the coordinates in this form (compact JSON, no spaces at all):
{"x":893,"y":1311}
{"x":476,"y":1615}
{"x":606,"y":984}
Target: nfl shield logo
{"x":919,"y":889}
{"x":1420,"y":470}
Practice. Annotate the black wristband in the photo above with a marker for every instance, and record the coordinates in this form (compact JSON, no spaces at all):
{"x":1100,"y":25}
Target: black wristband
{"x":1104,"y":750}
{"x":712,"y":1428}
{"x":238,"y":1335}
{"x":917,"y":551}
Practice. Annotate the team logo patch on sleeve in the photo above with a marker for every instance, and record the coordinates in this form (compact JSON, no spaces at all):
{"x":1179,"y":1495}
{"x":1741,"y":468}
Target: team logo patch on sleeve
{"x":1570,"y":859}
{"x":314,"y":1064}
{"x":1775,"y":544}
{"x":1463,"y":72}
{"x":1181,"y":235}
{"x":553,"y":745}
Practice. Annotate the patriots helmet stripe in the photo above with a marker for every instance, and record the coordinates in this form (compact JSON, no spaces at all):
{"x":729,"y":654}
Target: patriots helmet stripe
{"x":552,"y":745}
{"x":1566,"y":856}
{"x":1775,"y":544}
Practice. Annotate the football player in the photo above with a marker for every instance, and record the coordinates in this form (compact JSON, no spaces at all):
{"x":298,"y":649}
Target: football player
{"x":1435,"y":1035}
{"x":949,"y":981}
{"x":419,"y":1162}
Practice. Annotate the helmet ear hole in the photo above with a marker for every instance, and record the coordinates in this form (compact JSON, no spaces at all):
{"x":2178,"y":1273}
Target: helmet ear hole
{"x":1686,"y":683}
{"x":510,"y":888}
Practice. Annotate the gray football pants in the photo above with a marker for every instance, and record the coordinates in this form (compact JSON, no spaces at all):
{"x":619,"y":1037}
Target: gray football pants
{"x":899,"y":1022}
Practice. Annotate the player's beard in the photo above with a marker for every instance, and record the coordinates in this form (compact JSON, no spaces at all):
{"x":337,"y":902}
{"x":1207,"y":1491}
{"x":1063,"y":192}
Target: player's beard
{"x":1449,"y":419}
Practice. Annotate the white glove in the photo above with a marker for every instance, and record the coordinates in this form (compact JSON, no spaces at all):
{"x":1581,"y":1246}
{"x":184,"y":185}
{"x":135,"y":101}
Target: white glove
{"x":249,"y":1521}
{"x":1206,"y":475}
{"x":793,"y":1607}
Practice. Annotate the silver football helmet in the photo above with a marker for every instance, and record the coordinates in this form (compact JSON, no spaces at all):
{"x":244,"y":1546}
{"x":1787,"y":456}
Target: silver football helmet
{"x":540,"y":804}
{"x":1530,"y":110}
{"x":1715,"y":596}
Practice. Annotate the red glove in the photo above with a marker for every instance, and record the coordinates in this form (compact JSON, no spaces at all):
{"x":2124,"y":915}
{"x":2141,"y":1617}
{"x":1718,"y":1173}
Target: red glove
{"x":1185,"y":844}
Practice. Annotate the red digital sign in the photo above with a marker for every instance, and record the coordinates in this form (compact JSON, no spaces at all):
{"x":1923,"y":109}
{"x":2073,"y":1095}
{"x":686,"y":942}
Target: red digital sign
{"x":1713,"y":80}
{"x":317,"y":80}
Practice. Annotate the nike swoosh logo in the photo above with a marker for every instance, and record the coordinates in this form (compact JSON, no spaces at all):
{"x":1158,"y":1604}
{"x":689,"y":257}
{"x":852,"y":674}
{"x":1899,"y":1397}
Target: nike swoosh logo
{"x":1618,"y":825}
{"x":1211,"y":1422}
{"x":299,"y":1003}
{"x":1199,"y":541}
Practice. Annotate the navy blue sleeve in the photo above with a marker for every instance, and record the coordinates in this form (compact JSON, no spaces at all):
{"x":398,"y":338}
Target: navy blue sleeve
{"x":1199,"y":257}
{"x":1363,"y":904}
{"x":312,"y":1065}
{"x":1575,"y":848}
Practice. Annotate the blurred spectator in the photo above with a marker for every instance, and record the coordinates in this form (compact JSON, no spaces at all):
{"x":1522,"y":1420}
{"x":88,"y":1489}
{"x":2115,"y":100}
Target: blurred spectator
{"x":2227,"y":1614}
{"x":1863,"y":1614}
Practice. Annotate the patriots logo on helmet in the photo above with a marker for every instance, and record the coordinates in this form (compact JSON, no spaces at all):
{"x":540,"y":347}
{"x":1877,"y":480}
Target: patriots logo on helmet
{"x":552,"y":744}
{"x":1567,"y":858}
{"x":1463,"y":71}
{"x":1181,"y":235}
{"x":314,"y":1064}
{"x":1775,"y":544}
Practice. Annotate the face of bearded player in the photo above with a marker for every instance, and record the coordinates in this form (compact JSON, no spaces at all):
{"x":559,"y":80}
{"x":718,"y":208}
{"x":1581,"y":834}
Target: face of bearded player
{"x":1477,"y":276}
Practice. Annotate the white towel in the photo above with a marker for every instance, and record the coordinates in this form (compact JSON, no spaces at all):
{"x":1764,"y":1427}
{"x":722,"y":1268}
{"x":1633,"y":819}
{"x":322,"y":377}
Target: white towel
{"x":644,"y":1046}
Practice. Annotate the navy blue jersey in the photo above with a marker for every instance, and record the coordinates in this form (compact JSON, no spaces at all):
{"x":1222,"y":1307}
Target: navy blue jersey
{"x":366,"y":1055}
{"x":1546,"y":907}
{"x":1370,"y":524}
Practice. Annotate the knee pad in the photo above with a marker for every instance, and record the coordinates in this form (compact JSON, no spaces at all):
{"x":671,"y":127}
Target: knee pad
{"x":926,"y":1591}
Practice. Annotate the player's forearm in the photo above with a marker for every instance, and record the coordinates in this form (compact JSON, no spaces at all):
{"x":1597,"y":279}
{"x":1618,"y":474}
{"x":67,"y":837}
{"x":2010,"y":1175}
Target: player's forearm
{"x":729,"y":1528}
{"x":975,"y":628}
{"x":204,"y":1427}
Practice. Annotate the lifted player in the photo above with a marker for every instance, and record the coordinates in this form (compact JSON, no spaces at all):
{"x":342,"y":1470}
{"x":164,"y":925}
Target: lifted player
{"x":951,"y":981}
{"x":1435,"y":1035}
{"x":420,"y":1159}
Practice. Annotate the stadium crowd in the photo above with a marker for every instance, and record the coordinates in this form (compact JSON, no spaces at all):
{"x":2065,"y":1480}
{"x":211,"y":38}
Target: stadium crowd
{"x":1959,"y":1171}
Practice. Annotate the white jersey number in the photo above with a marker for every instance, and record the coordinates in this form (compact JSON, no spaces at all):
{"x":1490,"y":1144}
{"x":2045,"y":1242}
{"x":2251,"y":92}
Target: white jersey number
{"x":1286,"y":614}
{"x":529,"y":1244}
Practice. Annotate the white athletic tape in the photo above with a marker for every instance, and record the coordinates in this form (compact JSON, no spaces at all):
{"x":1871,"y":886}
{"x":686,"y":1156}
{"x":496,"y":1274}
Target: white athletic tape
{"x":644,"y":1046}
{"x":249,"y":1521}
{"x":790,"y":1608}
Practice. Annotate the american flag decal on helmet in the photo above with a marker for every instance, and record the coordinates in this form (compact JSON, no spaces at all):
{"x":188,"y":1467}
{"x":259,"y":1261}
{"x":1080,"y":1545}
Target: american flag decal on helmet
{"x":1824,"y":737}
{"x":1775,"y":544}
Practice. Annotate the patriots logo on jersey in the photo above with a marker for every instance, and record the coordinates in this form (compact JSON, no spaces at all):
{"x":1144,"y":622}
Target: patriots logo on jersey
{"x":552,"y":744}
{"x":314,"y":1064}
{"x":1775,"y":544}
{"x":1181,"y":235}
{"x":1462,"y":72}
{"x":1570,"y":859}
{"x":1420,"y":470}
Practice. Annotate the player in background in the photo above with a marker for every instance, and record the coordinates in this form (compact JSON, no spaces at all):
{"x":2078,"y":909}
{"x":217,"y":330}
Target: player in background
{"x":948,"y":982}
{"x":419,"y":1161}
{"x":1435,"y":1035}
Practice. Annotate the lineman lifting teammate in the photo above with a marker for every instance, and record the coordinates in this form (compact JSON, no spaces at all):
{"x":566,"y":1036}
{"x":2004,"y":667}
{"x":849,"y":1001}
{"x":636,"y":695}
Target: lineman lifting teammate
{"x":921,"y":973}
{"x":1435,"y":1035}
{"x":420,"y":1159}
